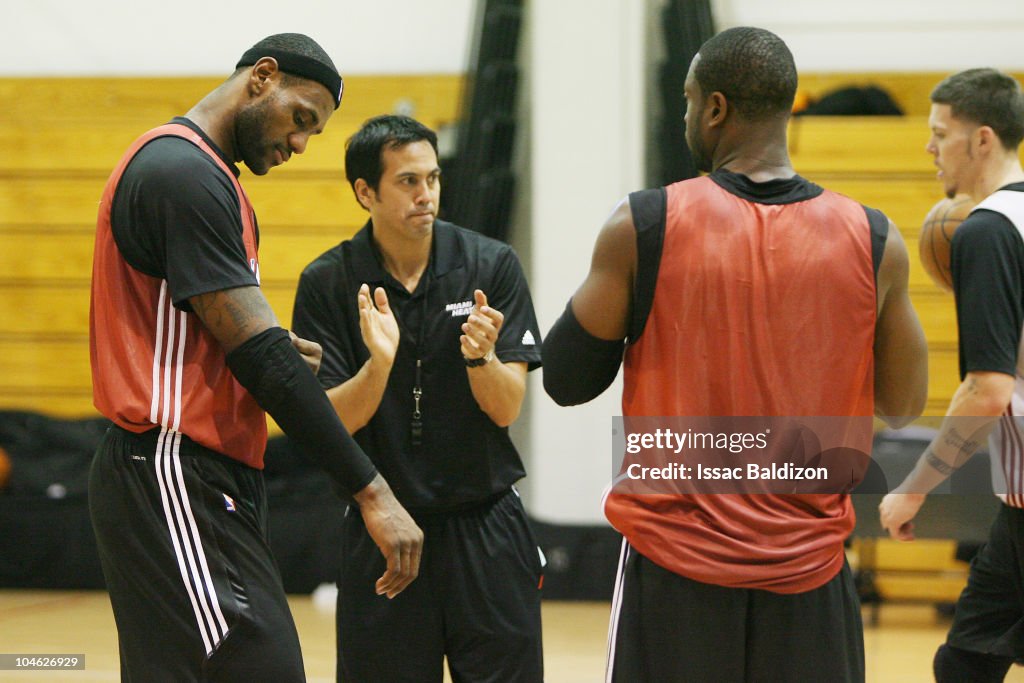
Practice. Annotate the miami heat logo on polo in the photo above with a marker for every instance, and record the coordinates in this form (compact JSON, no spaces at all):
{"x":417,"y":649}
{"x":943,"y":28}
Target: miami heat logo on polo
{"x":459,"y":309}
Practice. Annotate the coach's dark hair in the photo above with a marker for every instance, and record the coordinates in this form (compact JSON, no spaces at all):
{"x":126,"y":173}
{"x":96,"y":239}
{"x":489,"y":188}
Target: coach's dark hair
{"x":988,"y":98}
{"x":364,"y":151}
{"x":752,"y":67}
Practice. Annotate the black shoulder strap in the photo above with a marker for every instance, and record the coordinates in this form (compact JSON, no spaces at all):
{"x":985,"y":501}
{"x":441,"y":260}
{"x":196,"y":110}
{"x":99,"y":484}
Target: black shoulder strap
{"x":649,"y":209}
{"x":879,"y":233}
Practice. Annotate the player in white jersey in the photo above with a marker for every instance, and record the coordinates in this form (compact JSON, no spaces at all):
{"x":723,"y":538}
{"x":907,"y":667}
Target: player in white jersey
{"x":977,"y":123}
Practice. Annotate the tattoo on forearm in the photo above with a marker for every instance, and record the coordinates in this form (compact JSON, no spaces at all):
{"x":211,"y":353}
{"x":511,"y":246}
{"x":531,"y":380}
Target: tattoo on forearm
{"x":232,"y":314}
{"x":209,"y":308}
{"x":963,"y":444}
{"x":938,"y":464}
{"x":199,"y":306}
{"x":240,"y":316}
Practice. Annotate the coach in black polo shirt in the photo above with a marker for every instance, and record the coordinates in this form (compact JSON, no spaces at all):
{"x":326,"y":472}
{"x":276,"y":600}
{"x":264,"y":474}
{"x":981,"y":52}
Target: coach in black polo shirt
{"x":428,"y":332}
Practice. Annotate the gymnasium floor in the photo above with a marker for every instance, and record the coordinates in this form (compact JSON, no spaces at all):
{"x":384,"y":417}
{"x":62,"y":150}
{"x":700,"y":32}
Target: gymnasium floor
{"x":899,"y":649}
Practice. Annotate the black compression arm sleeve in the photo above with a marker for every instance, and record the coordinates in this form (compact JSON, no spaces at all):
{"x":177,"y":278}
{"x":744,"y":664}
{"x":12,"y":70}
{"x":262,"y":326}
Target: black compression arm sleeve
{"x":578,"y":366}
{"x":274,"y":373}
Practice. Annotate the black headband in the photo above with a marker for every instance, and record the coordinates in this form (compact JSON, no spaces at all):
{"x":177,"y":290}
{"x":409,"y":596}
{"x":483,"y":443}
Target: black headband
{"x":298,"y":65}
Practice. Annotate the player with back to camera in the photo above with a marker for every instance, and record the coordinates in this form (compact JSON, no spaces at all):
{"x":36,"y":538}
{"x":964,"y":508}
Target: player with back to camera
{"x":746,"y":292}
{"x":977,"y":124}
{"x":186,"y":356}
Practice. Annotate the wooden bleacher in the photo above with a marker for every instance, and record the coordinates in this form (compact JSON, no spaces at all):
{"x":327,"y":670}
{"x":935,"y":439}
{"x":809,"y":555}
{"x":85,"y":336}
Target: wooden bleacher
{"x":910,"y":90}
{"x":62,"y":136}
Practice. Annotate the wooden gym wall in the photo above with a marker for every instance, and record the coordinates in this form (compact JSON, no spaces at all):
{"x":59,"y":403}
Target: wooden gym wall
{"x":62,"y":136}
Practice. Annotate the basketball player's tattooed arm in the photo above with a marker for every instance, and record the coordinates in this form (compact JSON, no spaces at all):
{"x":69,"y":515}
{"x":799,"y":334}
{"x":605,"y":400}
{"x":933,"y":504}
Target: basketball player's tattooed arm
{"x":235,"y":315}
{"x":246,"y":327}
{"x":901,"y":354}
{"x":976,"y":406}
{"x":957,"y":447}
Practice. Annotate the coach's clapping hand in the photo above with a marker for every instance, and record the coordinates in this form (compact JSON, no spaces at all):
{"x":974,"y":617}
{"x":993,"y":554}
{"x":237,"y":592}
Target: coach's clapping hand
{"x":378,"y":325}
{"x":481,"y":329}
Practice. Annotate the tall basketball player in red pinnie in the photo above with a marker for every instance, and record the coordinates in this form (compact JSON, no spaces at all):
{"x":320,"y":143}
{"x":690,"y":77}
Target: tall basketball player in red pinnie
{"x":186,"y":357}
{"x":749,"y":291}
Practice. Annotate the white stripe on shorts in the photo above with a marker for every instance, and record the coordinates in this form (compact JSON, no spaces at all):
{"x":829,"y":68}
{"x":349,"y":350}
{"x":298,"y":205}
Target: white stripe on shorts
{"x":181,"y":523}
{"x":613,"y":623}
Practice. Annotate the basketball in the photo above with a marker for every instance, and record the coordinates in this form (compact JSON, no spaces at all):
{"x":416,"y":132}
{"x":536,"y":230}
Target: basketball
{"x":937,"y":234}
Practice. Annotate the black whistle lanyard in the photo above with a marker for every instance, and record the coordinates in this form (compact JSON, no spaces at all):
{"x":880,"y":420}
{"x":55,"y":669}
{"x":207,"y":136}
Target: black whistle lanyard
{"x":416,"y":424}
{"x":416,"y":428}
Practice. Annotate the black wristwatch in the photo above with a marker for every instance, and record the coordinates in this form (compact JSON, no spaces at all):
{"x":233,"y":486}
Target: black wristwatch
{"x":482,"y":360}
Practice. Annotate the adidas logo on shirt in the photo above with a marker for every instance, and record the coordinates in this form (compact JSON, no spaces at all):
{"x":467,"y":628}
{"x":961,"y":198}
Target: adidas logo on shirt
{"x":528,"y":339}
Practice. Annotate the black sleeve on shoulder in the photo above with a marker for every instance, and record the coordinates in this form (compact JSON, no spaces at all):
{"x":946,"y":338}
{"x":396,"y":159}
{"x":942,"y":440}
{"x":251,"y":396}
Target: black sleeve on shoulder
{"x":270,"y":368}
{"x":879,"y":223}
{"x":315,"y":318}
{"x":649,"y":209}
{"x":578,"y":366}
{"x":176,"y":216}
{"x":987,"y":261}
{"x":519,"y":339}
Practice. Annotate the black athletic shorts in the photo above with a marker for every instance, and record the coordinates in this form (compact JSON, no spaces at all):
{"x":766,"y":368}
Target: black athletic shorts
{"x":476,"y":601}
{"x":665,"y":627}
{"x":989,"y":616}
{"x":182,"y":539}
